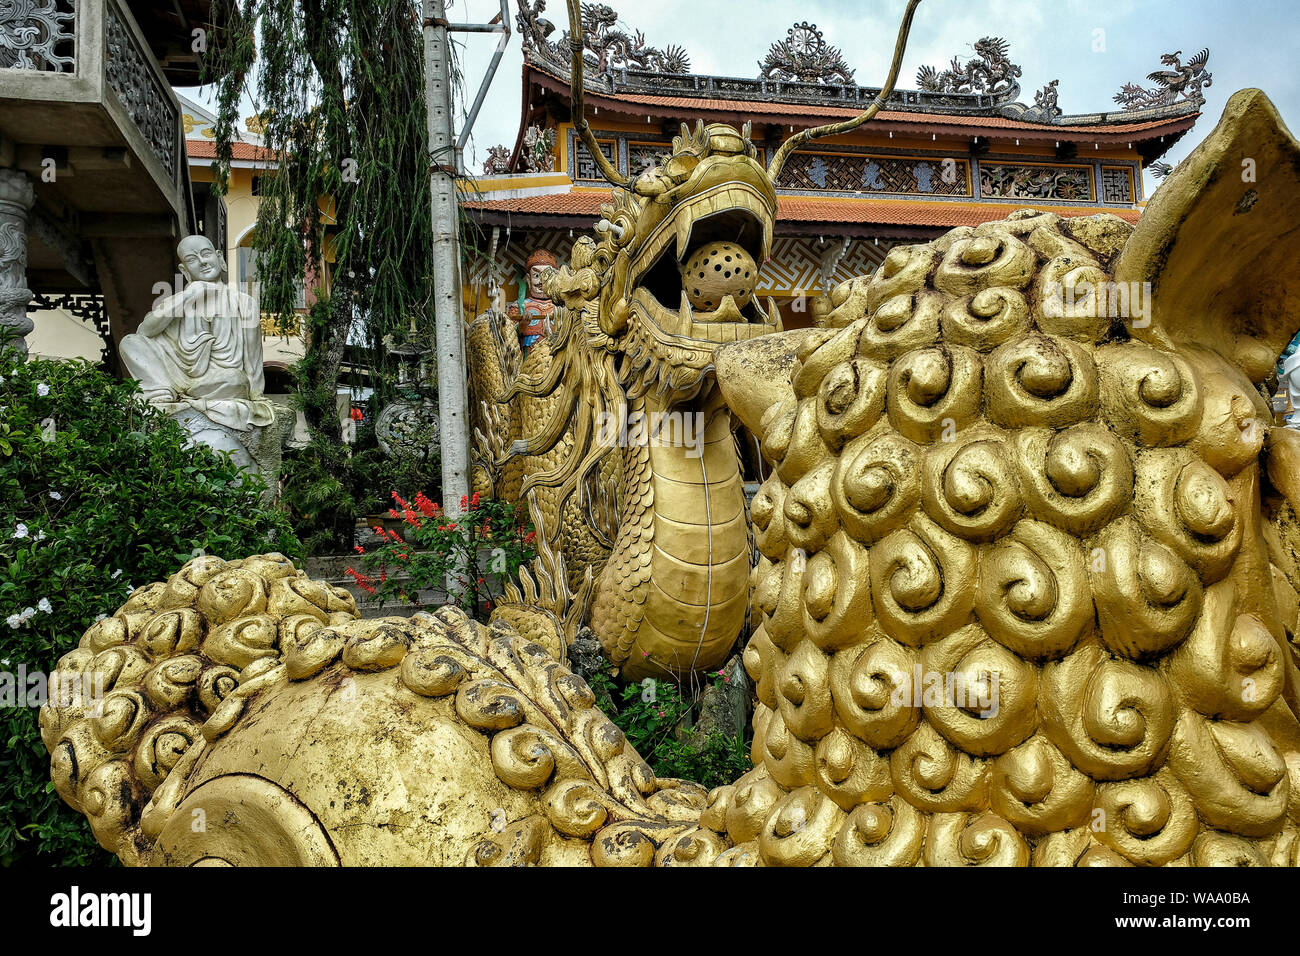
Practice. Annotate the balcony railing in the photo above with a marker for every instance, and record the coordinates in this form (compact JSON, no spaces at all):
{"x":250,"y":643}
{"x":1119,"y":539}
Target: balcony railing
{"x":81,"y":53}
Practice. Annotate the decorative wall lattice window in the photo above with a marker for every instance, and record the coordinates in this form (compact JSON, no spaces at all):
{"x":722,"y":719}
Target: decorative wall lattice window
{"x":1116,"y":184}
{"x":856,"y":173}
{"x":1014,"y":181}
{"x":641,"y":156}
{"x":584,"y":166}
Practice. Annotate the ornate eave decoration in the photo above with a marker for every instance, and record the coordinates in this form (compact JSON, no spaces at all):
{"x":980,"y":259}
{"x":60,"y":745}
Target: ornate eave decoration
{"x":1182,"y":79}
{"x":608,"y":45}
{"x":804,"y":56}
{"x":991,"y":72}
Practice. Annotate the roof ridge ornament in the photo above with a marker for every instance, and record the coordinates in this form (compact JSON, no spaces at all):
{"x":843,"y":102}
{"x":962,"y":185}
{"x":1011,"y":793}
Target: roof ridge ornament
{"x":992,"y":72}
{"x":1185,"y":79}
{"x":606,"y":44}
{"x":1045,"y":101}
{"x":804,"y":56}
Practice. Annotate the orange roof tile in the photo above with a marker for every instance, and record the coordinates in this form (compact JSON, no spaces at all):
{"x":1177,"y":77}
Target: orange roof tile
{"x":911,"y":212}
{"x":207,"y":149}
{"x":791,"y":209}
{"x":584,"y":203}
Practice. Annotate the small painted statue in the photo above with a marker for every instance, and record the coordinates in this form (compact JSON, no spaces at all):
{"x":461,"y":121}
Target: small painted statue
{"x":533,"y":314}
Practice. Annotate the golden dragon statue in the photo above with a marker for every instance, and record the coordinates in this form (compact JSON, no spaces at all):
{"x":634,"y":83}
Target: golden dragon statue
{"x":613,"y":427}
{"x":1026,"y":591}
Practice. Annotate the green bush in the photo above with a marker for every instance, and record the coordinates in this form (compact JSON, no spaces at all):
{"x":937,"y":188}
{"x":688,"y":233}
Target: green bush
{"x":98,"y":495}
{"x":432,"y":551}
{"x":654,"y":723}
{"x":328,"y":486}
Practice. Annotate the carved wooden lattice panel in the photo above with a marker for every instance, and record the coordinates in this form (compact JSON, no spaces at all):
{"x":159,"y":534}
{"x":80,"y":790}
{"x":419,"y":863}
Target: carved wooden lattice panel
{"x":641,"y":156}
{"x":1016,"y":181}
{"x":584,"y":165}
{"x":846,"y":172}
{"x":1116,"y":184}
{"x":38,"y":35}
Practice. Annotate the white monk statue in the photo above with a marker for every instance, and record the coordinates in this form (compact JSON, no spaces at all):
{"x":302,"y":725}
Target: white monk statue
{"x":198,"y":356}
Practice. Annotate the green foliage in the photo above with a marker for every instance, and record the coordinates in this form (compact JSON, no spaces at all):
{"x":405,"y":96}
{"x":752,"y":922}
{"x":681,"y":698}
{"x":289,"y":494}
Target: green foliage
{"x":339,"y":87}
{"x":328,"y":487}
{"x":493,"y":537}
{"x":98,"y":495}
{"x":653,"y":716}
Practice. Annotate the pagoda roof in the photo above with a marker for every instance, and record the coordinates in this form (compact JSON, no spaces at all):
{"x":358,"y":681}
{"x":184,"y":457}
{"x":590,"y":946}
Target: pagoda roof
{"x":640,"y":93}
{"x":901,"y":218}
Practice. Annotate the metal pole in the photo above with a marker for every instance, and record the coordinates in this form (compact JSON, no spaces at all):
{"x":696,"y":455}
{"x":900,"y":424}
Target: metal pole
{"x":453,"y":409}
{"x":502,"y":26}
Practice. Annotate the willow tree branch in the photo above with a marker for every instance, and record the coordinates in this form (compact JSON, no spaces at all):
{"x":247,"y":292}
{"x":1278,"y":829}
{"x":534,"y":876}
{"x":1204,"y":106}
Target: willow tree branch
{"x":607,"y":169}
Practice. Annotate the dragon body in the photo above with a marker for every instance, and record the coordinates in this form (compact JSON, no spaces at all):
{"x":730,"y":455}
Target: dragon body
{"x":614,"y":426}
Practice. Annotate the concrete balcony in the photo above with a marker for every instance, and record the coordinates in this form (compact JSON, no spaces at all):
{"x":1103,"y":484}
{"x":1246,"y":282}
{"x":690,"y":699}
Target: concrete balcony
{"x":89,"y":120}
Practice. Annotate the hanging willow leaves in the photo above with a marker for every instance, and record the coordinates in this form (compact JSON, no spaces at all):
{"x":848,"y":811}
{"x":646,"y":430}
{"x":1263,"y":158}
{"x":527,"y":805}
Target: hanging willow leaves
{"x":339,"y":84}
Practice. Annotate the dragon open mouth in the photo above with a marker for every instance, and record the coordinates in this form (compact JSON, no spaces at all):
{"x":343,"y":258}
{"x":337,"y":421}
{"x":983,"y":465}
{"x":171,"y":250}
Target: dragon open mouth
{"x":733,"y":217}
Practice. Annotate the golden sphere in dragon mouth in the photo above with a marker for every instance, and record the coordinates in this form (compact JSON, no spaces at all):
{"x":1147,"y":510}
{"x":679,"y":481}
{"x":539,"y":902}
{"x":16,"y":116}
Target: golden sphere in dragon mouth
{"x":716,"y":270}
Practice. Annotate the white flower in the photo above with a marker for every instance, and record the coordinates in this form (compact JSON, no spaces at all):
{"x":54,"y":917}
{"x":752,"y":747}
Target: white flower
{"x":100,"y":617}
{"x":56,"y":496}
{"x":40,"y":536}
{"x":28,"y":613}
{"x":20,"y":531}
{"x":14,"y":621}
{"x":44,"y":605}
{"x":42,"y":389}
{"x":114,"y":576}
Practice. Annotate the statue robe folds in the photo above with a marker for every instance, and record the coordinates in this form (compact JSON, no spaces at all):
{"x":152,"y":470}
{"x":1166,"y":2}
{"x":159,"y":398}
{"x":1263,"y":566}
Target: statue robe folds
{"x":208,"y":358}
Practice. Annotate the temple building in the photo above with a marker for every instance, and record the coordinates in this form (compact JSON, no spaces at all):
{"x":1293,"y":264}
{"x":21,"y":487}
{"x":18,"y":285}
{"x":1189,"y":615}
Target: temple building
{"x":958,"y":150}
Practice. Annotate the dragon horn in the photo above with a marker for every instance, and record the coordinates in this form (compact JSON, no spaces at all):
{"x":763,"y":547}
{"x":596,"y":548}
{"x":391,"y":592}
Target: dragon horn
{"x":834,"y":129}
{"x":576,"y":89}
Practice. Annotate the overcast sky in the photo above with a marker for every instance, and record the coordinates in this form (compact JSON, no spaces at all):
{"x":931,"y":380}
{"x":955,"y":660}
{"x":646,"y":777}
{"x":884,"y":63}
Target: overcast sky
{"x":1252,"y":43}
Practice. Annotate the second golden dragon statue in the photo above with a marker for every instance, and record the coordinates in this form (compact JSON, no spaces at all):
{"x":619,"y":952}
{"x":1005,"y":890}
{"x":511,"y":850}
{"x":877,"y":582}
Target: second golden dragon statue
{"x":1092,"y":517}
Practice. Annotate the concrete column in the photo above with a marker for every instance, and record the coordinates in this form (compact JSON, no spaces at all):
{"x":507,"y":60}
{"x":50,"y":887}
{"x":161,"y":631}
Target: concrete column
{"x":453,"y":402}
{"x":16,"y":198}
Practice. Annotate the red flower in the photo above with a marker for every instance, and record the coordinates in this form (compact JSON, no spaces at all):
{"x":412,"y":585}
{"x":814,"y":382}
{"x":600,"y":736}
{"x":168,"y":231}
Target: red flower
{"x":464,"y":501}
{"x":473,"y":502}
{"x":358,"y":549}
{"x":399,"y":500}
{"x":530,"y":537}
